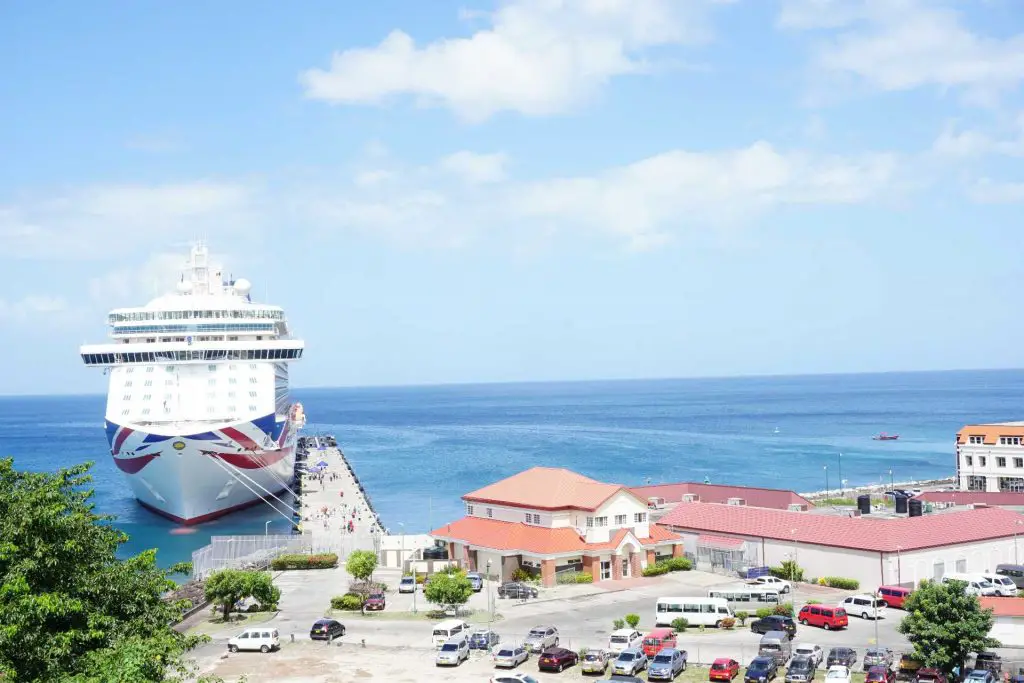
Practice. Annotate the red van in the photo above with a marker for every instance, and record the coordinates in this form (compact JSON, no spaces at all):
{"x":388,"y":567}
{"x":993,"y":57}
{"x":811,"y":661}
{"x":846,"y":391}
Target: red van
{"x":658,"y":639}
{"x":824,"y":616}
{"x":893,"y":596}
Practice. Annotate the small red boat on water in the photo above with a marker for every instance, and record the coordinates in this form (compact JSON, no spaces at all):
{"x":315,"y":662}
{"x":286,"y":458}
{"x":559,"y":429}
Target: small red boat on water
{"x":886,"y":437}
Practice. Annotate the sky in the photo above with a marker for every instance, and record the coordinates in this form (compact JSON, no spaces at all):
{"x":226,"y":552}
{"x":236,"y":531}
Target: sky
{"x":482,"y":191}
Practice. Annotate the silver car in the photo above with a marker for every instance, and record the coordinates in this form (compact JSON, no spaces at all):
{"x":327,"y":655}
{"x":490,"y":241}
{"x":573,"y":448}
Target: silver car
{"x":541,"y":637}
{"x":629,"y":662}
{"x":510,"y":656}
{"x":454,"y":652}
{"x":666,"y":665}
{"x":594,"y":662}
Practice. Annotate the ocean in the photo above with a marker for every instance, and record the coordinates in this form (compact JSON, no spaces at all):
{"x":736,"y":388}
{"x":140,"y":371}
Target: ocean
{"x":418,"y":449}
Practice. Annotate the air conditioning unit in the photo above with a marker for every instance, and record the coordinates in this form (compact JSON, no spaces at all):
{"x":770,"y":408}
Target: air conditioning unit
{"x":691,"y":498}
{"x":798,"y":507}
{"x":736,"y":501}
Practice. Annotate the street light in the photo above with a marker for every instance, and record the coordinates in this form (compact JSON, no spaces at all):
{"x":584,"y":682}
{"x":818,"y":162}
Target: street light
{"x":266,"y":527}
{"x":490,"y":600}
{"x":826,"y":485}
{"x":891,"y":484}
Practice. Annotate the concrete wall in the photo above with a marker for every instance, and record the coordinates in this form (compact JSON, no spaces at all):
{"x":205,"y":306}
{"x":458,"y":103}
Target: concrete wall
{"x":1009,"y":631}
{"x":621,"y":503}
{"x":972,"y":557}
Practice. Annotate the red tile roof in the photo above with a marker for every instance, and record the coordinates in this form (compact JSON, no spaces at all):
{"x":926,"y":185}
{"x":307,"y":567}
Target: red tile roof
{"x":719,"y":541}
{"x":546,"y":488}
{"x":717,"y":493}
{"x":973,"y":497}
{"x":493,"y":533}
{"x":861,"y":533}
{"x":1004,"y":607}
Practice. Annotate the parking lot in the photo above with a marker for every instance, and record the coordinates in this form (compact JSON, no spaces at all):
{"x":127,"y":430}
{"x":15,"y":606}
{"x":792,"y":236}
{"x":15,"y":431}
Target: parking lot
{"x":398,"y":641}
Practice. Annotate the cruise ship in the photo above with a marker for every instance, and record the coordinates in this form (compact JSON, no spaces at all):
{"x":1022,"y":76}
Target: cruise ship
{"x":198,"y":414}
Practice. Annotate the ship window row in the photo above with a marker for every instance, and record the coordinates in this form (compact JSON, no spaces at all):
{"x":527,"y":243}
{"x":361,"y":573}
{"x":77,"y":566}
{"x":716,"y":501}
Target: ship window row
{"x":142,"y":316}
{"x":197,"y":355}
{"x":201,"y":327}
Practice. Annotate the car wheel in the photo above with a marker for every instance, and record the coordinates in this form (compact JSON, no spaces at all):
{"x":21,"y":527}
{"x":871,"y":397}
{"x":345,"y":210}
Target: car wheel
{"x":265,"y":649}
{"x":718,"y":624}
{"x":804,"y":622}
{"x":342,"y":630}
{"x":827,"y":627}
{"x":556,"y":642}
{"x":232,"y":648}
{"x":684,"y":666}
{"x":863,"y":615}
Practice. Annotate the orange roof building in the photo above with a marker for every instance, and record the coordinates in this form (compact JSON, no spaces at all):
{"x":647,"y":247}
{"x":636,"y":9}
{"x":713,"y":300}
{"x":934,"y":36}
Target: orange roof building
{"x":990,"y":457}
{"x":549,"y":520}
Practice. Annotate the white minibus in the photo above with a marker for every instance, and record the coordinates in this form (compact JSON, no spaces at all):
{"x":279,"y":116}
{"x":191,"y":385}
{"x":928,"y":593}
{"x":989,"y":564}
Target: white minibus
{"x":696,"y":611}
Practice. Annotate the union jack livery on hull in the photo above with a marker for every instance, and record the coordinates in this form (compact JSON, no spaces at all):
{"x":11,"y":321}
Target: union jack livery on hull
{"x":198,"y":412}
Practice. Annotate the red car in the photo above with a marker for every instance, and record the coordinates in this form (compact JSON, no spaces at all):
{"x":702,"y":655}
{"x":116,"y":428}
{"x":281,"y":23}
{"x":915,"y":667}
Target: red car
{"x":880,"y":674}
{"x":724,"y":669}
{"x":556,"y":659}
{"x":375,"y":602}
{"x":929,"y":675}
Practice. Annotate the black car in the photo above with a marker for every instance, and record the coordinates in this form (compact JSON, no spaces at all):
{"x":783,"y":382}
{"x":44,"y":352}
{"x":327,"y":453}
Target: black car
{"x":761,"y":670}
{"x":774,"y":622}
{"x":326,"y":629}
{"x":842,"y":656}
{"x":989,"y":661}
{"x":515,"y":589}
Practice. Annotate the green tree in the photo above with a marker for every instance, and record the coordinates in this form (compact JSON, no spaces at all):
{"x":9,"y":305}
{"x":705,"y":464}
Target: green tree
{"x":361,"y":564}
{"x":633,"y":620}
{"x":227,"y":586}
{"x":68,"y":605}
{"x":944,"y":625}
{"x":449,"y":589}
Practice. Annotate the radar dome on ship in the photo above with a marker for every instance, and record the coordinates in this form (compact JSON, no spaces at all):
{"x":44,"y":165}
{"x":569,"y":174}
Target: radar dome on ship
{"x":184,"y":287}
{"x":242,"y":286}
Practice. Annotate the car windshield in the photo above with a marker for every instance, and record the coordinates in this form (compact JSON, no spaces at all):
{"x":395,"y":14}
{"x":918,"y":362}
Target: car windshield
{"x":406,"y":579}
{"x":805,"y":651}
{"x":449,"y":647}
{"x":770,"y":647}
{"x":984,"y":584}
{"x":593,"y":657}
{"x":799,"y":664}
{"x":377,"y":596}
{"x":758,"y":665}
{"x":620,"y":639}
{"x":626,"y":657}
{"x":718,"y":665}
{"x":837,"y":673}
{"x":440,"y":632}
{"x":504,"y":653}
{"x":663,"y":659}
{"x":536,"y":634}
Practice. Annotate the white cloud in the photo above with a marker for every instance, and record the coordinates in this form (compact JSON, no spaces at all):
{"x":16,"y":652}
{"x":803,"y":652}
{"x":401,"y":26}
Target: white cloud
{"x":975,"y":143}
{"x":538,"y":57}
{"x":905,"y":44}
{"x":475,"y":168}
{"x":152,"y":278}
{"x":987,"y":191}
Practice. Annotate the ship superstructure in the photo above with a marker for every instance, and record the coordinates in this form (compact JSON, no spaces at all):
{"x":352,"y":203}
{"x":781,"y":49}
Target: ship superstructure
{"x":199,"y":417}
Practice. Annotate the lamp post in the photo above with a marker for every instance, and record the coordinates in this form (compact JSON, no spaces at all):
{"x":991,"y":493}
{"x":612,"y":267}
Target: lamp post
{"x":840,"y":475}
{"x":490,"y":600}
{"x":826,"y":485}
{"x":266,"y":527}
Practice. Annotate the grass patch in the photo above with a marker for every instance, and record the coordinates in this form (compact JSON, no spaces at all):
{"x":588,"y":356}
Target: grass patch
{"x":237,"y":622}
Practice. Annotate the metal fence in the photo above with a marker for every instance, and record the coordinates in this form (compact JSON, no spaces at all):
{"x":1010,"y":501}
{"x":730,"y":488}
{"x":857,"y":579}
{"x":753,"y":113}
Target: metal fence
{"x":244,"y":552}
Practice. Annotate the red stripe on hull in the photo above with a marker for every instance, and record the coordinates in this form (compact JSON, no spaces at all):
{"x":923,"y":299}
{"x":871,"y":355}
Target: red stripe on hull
{"x":121,"y":436}
{"x":243,"y":440}
{"x":244,"y":461}
{"x":134,"y":465}
{"x":209,"y":515}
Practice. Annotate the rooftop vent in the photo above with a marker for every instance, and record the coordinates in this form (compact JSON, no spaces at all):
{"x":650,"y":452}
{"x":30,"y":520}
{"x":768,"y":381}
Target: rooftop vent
{"x":736,"y":501}
{"x":691,"y":498}
{"x":798,"y":507}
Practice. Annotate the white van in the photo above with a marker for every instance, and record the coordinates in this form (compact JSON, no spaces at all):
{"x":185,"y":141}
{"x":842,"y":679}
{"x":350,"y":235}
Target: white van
{"x":975,"y":584}
{"x":262,"y":639}
{"x":864,"y":606}
{"x":447,"y":629}
{"x":624,"y":639}
{"x":1004,"y":585}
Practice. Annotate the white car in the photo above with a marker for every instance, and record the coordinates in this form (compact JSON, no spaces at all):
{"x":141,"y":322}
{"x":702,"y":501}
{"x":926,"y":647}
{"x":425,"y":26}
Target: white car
{"x":513,"y":678}
{"x":261,"y":639}
{"x":810,"y":650}
{"x":864,"y":606}
{"x":771,"y":582}
{"x":510,"y":656}
{"x":838,"y":674}
{"x":624,"y":639}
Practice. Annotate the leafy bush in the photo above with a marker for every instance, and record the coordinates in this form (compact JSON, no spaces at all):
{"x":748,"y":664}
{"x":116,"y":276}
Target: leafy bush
{"x":839,"y":582}
{"x":742,"y":616}
{"x":656,"y":569}
{"x":679,"y":624}
{"x":633,"y":620}
{"x":520,"y":574}
{"x":348,"y":601}
{"x":789,"y":570}
{"x":784,"y":609}
{"x":618,"y":623}
{"x":678,"y":564}
{"x":728,"y":622}
{"x":763,"y":612}
{"x":574,"y":577}
{"x":421,"y":579}
{"x":302,"y":561}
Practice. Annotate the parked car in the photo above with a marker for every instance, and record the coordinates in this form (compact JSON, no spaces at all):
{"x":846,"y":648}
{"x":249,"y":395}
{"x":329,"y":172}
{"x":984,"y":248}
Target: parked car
{"x":814,"y":652}
{"x":540,"y":638}
{"x":841,"y":656}
{"x":775,"y":582}
{"x":510,"y":656}
{"x":761,"y":670}
{"x":326,"y":629}
{"x":838,"y":674}
{"x":630,"y":662}
{"x":513,"y":678}
{"x":988,"y":660}
{"x":483,"y":639}
{"x":980,"y":676}
{"x":864,"y":606}
{"x":594,"y":662}
{"x":657,"y":640}
{"x":877,"y":656}
{"x":556,"y":659}
{"x":476,"y":581}
{"x":262,"y":639}
{"x":801,"y":670}
{"x":929,"y":675}
{"x":407,"y":584}
{"x":880,"y":674}
{"x":774,"y":622}
{"x":517,"y":590}
{"x":908,"y":666}
{"x":823,"y":616}
{"x":667,"y":664}
{"x":375,"y":602}
{"x":723,"y":669}
{"x":453,"y":652}
{"x":624,"y":639}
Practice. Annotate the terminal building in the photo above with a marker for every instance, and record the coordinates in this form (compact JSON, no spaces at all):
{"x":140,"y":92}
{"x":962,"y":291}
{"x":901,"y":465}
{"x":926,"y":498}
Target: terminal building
{"x":990,"y":457}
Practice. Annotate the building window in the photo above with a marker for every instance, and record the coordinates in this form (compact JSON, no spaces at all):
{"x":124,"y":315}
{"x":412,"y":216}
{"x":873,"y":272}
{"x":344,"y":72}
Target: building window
{"x":1000,"y":462}
{"x":590,"y":522}
{"x":969,"y":461}
{"x":532,"y":518}
{"x":233,"y":380}
{"x":127,"y":397}
{"x":212,"y":381}
{"x":146,"y":397}
{"x":252,"y":409}
{"x":490,"y":511}
{"x":252,"y":394}
{"x":149,"y":368}
{"x":961,"y":566}
{"x":253,"y":380}
{"x":938,"y":569}
{"x":124,"y":412}
{"x":639,"y":517}
{"x":149,"y":383}
{"x":620,"y":520}
{"x":976,"y":484}
{"x":1009,"y":440}
{"x":974,"y":438}
{"x":600,"y":521}
{"x":211,"y":368}
{"x":469,"y":509}
{"x":127,"y":384}
{"x":981,"y":460}
{"x":1011,"y":484}
{"x":1018,"y":462}
{"x":145,"y":411}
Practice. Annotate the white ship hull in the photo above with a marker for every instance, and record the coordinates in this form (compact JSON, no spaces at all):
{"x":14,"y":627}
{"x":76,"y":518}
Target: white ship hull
{"x":192,"y":473}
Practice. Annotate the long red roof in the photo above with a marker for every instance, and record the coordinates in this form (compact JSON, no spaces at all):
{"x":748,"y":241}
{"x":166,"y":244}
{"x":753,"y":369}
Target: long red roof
{"x":860,"y":533}
{"x":779,"y":499}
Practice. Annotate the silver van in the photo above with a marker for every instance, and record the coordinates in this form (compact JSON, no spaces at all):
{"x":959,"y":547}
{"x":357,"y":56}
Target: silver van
{"x":776,"y":644}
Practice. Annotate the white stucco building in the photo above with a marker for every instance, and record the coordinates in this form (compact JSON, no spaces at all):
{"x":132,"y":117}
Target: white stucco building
{"x":875,"y":551}
{"x":990,"y":457}
{"x":1008,"y":617}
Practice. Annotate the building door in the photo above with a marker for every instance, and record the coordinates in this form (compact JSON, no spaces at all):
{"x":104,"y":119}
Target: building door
{"x":625,"y":567}
{"x":606,"y":570}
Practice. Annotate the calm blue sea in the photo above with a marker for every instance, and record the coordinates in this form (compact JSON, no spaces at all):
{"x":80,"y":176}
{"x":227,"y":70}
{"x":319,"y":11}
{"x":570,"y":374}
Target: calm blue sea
{"x":417,"y":449}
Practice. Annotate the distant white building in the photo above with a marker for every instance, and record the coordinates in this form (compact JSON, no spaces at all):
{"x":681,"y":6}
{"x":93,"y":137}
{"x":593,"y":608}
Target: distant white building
{"x":990,"y":457}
